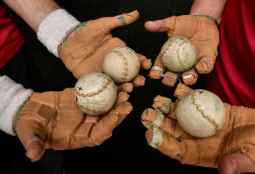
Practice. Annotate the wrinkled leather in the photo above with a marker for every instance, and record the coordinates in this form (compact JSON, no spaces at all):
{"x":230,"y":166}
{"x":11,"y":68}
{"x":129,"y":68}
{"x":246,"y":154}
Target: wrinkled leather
{"x":52,"y":120}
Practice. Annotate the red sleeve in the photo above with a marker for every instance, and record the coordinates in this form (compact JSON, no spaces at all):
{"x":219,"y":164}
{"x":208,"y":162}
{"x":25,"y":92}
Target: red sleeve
{"x":11,"y":39}
{"x":233,"y":79}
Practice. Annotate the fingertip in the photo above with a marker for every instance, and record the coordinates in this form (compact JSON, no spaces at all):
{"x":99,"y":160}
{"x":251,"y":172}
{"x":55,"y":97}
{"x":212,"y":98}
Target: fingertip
{"x":205,"y":65}
{"x":134,"y":13}
{"x":120,"y":20}
{"x":124,"y":108}
{"x":122,"y":97}
{"x":127,"y":87}
{"x":139,"y":81}
{"x":146,"y":63}
{"x":182,"y":90}
{"x":157,"y":70}
{"x":170,"y":79}
{"x":131,"y":17}
{"x":156,"y":75}
{"x":147,"y":113}
{"x":35,"y":151}
{"x":190,"y":77}
{"x":154,"y":26}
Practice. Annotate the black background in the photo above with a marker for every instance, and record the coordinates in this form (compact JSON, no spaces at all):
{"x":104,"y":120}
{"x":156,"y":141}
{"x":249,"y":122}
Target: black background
{"x":127,"y":150}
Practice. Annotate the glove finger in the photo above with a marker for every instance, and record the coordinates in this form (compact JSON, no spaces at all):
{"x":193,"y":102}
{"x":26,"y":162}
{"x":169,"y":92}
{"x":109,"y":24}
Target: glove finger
{"x":190,"y":77}
{"x":145,"y":62}
{"x":152,"y":118}
{"x":157,"y":69}
{"x":165,"y":105}
{"x":170,"y":79}
{"x":186,"y":150}
{"x":163,"y":25}
{"x":182,"y":90}
{"x":104,"y":127}
{"x":121,"y":20}
{"x":139,"y":81}
{"x":207,"y":53}
{"x":122,"y":97}
{"x":33,"y":135}
{"x":185,"y":25}
{"x":126,"y":87}
{"x":205,"y":65}
{"x":166,"y":144}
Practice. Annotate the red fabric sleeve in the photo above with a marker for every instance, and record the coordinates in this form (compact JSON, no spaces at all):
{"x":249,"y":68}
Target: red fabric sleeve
{"x":11,"y":39}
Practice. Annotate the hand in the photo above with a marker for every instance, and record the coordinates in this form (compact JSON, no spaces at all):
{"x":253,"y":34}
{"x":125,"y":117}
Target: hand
{"x":52,"y":120}
{"x":232,"y":149}
{"x":84,"y":49}
{"x":203,"y":34}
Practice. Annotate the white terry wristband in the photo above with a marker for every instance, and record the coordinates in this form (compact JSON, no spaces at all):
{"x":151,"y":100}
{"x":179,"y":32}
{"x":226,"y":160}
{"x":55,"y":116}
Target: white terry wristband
{"x":12,"y":96}
{"x":54,"y":29}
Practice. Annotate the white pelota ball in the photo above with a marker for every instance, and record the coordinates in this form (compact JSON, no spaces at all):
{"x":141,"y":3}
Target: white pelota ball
{"x":201,"y":114}
{"x":178,"y":54}
{"x":121,"y":64}
{"x":96,"y":93}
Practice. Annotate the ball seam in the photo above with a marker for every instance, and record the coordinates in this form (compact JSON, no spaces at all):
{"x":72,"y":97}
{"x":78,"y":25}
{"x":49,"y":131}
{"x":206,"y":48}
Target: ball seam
{"x":202,"y":112}
{"x":124,"y":73}
{"x":182,"y":64}
{"x":164,"y":51}
{"x":105,"y":85}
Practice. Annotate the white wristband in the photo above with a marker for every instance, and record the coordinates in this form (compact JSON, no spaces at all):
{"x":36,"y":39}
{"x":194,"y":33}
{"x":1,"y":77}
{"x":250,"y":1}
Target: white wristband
{"x":54,"y":29}
{"x":12,"y":96}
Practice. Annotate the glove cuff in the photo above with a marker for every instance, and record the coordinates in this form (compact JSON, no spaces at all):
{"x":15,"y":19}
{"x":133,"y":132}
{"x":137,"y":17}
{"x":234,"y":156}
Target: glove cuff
{"x":54,"y":29}
{"x":13,"y":96}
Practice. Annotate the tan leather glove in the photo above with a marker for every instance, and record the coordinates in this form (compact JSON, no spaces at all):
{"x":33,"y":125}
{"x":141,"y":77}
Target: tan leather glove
{"x":84,"y":48}
{"x":236,"y":137}
{"x":203,"y":34}
{"x":52,"y":120}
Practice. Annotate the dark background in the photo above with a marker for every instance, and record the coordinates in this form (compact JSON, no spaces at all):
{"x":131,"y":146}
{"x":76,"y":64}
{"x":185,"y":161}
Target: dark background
{"x":127,"y":150}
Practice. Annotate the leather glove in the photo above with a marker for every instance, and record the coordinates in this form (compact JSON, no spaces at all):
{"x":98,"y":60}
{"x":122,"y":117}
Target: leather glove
{"x":52,"y":120}
{"x":84,"y":48}
{"x":235,"y":140}
{"x":203,"y":33}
